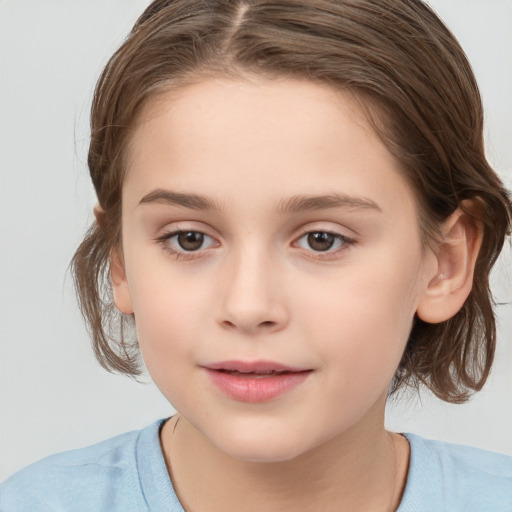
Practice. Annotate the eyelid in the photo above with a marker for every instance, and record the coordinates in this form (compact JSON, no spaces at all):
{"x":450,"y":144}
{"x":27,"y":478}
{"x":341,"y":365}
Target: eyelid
{"x":180,"y":226}
{"x":338,"y":236}
{"x":327,"y":227}
{"x":173,"y":234}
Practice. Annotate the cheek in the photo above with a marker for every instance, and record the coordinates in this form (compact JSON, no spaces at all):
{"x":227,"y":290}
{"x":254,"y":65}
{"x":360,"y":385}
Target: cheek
{"x":364,"y":318}
{"x":169,"y":314}
{"x":169,"y":334}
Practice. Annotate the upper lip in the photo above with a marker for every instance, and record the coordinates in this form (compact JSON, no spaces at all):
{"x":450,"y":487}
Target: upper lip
{"x":253,"y":367}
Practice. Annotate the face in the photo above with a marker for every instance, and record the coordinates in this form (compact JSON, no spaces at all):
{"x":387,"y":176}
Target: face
{"x":272,"y":260}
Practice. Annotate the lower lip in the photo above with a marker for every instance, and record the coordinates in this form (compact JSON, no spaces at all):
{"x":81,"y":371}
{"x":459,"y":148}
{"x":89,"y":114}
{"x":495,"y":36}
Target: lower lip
{"x":254,"y":389}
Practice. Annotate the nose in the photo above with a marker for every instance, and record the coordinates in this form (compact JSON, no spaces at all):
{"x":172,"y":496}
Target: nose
{"x":252,"y":295}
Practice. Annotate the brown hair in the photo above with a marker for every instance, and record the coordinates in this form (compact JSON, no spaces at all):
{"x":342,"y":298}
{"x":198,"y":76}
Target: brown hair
{"x":417,"y":87}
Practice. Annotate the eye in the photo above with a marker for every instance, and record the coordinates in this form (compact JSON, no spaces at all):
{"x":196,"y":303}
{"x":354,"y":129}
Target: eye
{"x":186,"y":241}
{"x":189,"y":240}
{"x":323,"y":241}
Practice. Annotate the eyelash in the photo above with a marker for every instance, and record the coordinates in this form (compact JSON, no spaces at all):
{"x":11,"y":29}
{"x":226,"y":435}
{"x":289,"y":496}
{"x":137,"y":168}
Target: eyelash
{"x":345,"y":243}
{"x":164,"y":241}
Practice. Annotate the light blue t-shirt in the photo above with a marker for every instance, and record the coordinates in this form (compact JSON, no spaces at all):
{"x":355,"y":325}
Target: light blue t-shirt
{"x":128,"y":474}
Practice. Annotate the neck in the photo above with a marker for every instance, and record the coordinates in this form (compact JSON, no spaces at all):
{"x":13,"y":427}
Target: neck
{"x":364,"y":469}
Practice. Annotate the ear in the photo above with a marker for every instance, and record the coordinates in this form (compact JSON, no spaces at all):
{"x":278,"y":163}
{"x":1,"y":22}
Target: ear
{"x":99,"y":214}
{"x":449,"y":288}
{"x":122,"y":296}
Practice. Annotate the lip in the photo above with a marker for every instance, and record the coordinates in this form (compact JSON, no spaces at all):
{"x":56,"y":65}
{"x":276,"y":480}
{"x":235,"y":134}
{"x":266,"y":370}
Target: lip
{"x":255,"y":381}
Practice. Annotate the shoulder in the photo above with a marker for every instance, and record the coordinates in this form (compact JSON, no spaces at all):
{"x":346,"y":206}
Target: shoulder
{"x":459,"y":477}
{"x":93,"y":478}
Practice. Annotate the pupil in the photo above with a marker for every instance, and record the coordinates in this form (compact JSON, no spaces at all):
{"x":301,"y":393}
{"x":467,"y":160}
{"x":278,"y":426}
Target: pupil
{"x":320,"y":241}
{"x":190,"y":240}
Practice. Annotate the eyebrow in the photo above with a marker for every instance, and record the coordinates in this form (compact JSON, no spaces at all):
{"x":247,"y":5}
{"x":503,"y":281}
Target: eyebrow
{"x":323,"y":202}
{"x":192,"y":201}
{"x":298,"y":203}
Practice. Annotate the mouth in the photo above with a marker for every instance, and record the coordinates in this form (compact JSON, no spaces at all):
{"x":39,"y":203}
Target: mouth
{"x":257,"y":367}
{"x":255,"y":375}
{"x":253,"y":382}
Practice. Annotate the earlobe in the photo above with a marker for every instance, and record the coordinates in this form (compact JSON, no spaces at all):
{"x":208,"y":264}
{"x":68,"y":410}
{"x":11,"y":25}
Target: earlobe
{"x":449,"y":288}
{"x":121,"y":291}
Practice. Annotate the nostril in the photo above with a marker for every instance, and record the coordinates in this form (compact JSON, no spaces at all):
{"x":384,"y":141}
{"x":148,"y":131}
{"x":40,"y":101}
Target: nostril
{"x":265,"y":325}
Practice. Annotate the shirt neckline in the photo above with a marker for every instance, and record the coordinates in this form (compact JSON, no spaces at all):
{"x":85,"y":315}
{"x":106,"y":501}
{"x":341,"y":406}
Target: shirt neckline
{"x":422,"y":488}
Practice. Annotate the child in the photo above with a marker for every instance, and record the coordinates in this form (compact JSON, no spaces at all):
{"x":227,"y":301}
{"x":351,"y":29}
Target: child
{"x":295,"y":218}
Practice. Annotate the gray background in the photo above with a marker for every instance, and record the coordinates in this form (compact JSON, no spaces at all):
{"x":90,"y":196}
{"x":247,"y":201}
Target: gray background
{"x":53,"y":395}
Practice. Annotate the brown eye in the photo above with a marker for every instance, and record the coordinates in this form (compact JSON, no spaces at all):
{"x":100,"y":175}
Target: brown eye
{"x":190,"y":240}
{"x":320,"y":240}
{"x":324,"y":244}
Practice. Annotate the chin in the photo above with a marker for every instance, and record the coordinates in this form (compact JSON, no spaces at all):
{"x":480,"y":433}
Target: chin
{"x":263,"y":452}
{"x":260,"y":445}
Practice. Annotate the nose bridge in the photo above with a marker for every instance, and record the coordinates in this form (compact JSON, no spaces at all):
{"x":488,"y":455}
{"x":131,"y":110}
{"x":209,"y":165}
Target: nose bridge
{"x":252,"y":299}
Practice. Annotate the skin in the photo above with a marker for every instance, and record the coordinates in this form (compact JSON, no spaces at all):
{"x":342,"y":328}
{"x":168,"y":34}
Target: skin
{"x":257,"y":290}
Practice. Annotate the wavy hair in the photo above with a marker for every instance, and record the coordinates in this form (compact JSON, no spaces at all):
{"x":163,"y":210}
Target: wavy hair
{"x":409,"y":74}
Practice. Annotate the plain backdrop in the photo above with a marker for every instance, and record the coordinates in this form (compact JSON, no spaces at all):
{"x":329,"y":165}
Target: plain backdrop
{"x":53,"y":394}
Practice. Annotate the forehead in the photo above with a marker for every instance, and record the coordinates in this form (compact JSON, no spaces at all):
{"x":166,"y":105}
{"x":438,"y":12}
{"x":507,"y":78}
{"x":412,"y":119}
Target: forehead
{"x":263,"y":138}
{"x":222,"y":112}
